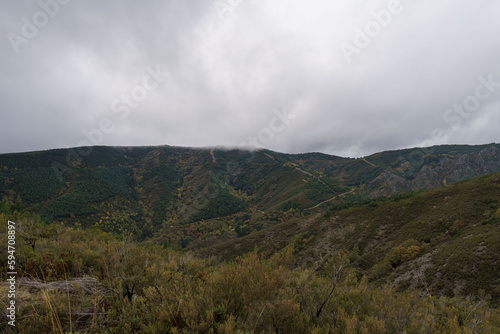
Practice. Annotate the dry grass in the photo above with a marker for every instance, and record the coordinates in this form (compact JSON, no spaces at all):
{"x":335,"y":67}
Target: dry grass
{"x":63,"y":305}
{"x":86,"y":285}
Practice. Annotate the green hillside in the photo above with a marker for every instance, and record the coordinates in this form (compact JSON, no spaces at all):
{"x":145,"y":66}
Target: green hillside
{"x":187,"y":195}
{"x":175,"y":240}
{"x":73,"y":280}
{"x":444,"y":241}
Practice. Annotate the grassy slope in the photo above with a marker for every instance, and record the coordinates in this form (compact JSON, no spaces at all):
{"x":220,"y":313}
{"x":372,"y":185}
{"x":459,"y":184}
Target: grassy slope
{"x":86,"y":281}
{"x":457,"y":229}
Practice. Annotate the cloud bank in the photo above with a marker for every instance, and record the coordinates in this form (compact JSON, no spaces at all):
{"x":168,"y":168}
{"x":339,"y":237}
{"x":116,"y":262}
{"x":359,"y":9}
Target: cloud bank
{"x":358,"y":77}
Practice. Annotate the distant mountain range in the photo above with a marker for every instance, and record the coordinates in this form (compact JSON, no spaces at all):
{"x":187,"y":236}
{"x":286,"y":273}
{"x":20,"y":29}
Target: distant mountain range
{"x":401,"y":216}
{"x":142,"y":190}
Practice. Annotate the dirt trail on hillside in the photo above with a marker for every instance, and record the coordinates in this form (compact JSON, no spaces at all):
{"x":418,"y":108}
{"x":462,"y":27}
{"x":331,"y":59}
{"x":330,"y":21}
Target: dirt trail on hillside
{"x":368,"y":162}
{"x":213,"y":156}
{"x":269,"y":156}
{"x":317,"y":178}
{"x":329,"y":200}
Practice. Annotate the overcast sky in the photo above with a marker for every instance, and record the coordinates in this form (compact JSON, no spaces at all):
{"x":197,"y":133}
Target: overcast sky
{"x":348,"y":78}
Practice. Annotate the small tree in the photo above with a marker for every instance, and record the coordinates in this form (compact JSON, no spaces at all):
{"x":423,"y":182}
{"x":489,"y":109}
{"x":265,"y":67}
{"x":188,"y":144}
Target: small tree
{"x":335,"y":268}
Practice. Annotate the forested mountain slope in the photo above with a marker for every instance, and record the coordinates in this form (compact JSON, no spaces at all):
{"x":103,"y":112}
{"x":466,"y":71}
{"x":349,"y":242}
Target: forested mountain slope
{"x":214,"y":240}
{"x":322,"y":273}
{"x":445,"y":241}
{"x":139,"y":190}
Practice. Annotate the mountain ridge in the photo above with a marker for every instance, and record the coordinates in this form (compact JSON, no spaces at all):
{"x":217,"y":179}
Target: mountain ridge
{"x":139,"y":190}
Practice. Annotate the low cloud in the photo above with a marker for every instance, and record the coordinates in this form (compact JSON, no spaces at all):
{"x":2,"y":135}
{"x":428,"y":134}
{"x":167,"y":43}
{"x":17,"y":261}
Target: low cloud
{"x":232,"y":64}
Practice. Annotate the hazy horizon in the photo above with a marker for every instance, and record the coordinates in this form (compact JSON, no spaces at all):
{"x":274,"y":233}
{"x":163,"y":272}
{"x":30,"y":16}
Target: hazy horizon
{"x":247,"y":148}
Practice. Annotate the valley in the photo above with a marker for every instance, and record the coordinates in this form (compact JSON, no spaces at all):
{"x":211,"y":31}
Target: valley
{"x":219,"y":240}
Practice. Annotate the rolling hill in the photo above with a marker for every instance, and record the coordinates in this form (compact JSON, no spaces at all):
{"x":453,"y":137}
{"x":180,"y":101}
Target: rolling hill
{"x":201,"y":192}
{"x":444,"y":241}
{"x":166,"y":239}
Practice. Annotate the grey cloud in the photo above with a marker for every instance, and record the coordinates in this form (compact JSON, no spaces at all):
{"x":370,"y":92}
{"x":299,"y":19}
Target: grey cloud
{"x":228,"y":74}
